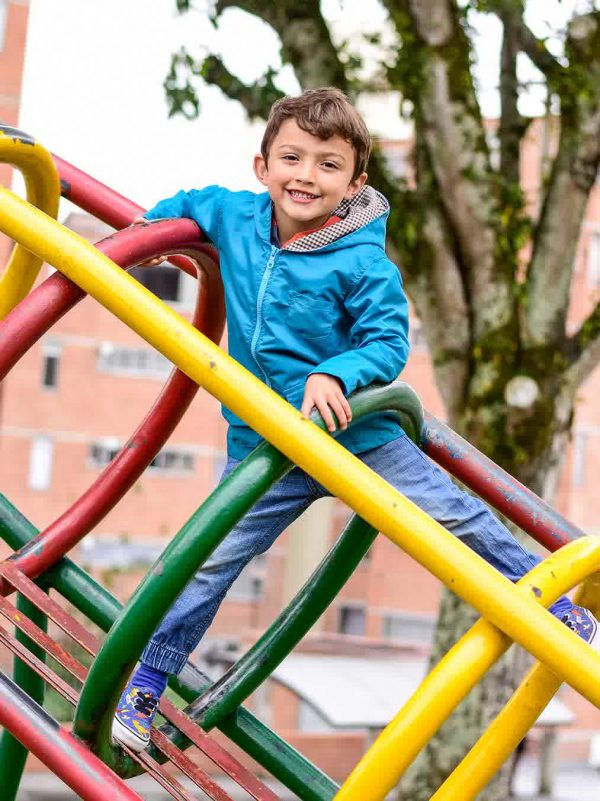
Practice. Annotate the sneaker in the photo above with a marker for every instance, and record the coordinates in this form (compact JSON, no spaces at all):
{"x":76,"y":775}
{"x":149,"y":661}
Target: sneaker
{"x":584,"y":624}
{"x":134,"y":716}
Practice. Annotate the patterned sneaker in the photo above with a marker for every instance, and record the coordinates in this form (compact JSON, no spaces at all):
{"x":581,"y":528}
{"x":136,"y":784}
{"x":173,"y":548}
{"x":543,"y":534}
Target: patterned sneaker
{"x":133,"y":717}
{"x":584,"y":624}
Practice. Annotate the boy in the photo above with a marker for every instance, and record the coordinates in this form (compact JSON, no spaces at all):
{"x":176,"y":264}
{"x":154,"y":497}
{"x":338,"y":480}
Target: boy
{"x":316,"y":310}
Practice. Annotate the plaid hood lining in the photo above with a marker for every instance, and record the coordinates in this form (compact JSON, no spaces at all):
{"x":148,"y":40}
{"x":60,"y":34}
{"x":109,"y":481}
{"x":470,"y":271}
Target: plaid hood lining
{"x":360,"y":210}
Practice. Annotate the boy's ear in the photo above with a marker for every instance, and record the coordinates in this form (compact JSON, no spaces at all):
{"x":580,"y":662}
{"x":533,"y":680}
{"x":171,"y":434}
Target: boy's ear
{"x":260,"y":168}
{"x":355,"y":186}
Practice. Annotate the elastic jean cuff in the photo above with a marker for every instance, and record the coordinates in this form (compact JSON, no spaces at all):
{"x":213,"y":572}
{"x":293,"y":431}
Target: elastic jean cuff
{"x":162,"y":657}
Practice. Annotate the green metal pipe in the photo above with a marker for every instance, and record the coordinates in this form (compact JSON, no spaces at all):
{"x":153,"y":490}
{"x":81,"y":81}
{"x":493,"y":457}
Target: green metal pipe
{"x":277,"y":756}
{"x":289,"y":628}
{"x":286,"y":764}
{"x":13,"y":754}
{"x":207,"y":527}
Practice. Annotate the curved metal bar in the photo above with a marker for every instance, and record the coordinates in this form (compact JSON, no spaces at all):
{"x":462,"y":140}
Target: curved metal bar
{"x":295,"y":621}
{"x":52,"y":299}
{"x":87,"y":776}
{"x":13,"y":754}
{"x":23,"y":326}
{"x":111,"y":207}
{"x":43,"y":191}
{"x":457,"y":673}
{"x":257,"y":664}
{"x":496,"y":486}
{"x":242,"y":728}
{"x":214,"y":519}
{"x":503,"y":735}
{"x":228,"y":503}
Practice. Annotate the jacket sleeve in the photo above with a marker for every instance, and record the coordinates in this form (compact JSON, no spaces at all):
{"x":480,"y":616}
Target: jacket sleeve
{"x":379,"y":310}
{"x":204,"y":206}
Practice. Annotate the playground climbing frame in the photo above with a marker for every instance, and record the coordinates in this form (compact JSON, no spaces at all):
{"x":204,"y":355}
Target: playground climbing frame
{"x":86,"y":759}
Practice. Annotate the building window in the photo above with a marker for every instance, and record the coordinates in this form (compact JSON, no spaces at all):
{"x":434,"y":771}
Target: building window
{"x":249,"y":584}
{"x":50,"y":363}
{"x":3,"y":22}
{"x":408,"y":627}
{"x":416,"y":336}
{"x":492,"y":138}
{"x":167,"y":461}
{"x":218,"y":466}
{"x":171,"y":460}
{"x":167,"y":283}
{"x":102,"y":453}
{"x":593,"y":260}
{"x":396,"y":159}
{"x":352,"y":619}
{"x":40,"y":463}
{"x":123,"y":553}
{"x":580,"y":442}
{"x":140,"y":362}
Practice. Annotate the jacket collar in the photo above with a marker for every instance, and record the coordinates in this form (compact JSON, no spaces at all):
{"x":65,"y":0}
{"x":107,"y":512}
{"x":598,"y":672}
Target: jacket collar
{"x":353,"y":214}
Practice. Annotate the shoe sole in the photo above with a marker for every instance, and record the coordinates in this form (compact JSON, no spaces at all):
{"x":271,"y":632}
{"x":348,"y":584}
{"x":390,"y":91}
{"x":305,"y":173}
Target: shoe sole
{"x":594,"y":640}
{"x":122,"y":735}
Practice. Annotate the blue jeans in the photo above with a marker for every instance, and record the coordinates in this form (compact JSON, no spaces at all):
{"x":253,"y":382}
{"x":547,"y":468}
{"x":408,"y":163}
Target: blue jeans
{"x":399,"y":462}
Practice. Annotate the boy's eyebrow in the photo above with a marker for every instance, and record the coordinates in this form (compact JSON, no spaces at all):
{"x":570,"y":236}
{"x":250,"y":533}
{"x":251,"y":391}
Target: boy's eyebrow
{"x":329,"y":154}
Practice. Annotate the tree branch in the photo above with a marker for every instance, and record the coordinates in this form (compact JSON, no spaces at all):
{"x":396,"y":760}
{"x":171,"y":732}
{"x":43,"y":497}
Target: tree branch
{"x":511,"y":12}
{"x":583,"y":350}
{"x":256,"y":98}
{"x":435,"y":282}
{"x":305,"y":39}
{"x":512,"y":124}
{"x":573,"y":175}
{"x":433,"y":71}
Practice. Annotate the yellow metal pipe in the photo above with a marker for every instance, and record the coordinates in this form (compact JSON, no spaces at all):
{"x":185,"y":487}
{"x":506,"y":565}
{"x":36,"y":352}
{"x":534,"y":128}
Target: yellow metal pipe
{"x":521,"y":712}
{"x":43,"y":190}
{"x":454,"y":676}
{"x":466,"y":573}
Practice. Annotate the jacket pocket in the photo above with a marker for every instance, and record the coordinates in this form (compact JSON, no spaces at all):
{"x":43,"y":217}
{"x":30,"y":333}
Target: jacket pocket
{"x":309,"y":316}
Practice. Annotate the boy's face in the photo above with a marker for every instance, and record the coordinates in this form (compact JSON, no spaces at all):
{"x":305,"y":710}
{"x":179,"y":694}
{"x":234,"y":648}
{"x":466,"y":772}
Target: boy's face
{"x":306,"y":177}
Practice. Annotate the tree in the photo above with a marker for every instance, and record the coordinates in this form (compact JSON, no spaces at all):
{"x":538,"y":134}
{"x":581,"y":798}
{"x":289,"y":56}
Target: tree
{"x":490,"y":283}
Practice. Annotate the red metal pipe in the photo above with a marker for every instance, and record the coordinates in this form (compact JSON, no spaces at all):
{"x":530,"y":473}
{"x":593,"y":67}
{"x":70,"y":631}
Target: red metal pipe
{"x":109,"y":206}
{"x":25,"y":324}
{"x":52,"y":299}
{"x":496,"y":486}
{"x":83,"y":772}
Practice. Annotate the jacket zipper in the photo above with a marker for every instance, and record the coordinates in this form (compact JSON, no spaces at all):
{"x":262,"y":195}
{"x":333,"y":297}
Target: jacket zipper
{"x":259,"y":301}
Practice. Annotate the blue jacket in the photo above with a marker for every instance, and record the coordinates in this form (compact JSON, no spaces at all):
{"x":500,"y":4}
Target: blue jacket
{"x":331,"y":302}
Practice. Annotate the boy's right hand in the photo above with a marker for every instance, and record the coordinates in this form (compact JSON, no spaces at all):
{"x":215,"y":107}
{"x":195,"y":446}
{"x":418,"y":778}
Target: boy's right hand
{"x":150,"y":262}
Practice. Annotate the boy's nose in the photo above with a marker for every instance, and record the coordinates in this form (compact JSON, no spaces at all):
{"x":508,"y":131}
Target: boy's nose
{"x":306,"y":174}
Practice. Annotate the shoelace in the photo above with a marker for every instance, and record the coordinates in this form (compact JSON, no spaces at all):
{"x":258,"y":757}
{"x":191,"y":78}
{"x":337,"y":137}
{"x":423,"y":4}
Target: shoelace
{"x":144,"y":703}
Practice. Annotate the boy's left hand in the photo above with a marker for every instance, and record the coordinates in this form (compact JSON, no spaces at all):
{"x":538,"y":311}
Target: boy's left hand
{"x":324,"y":393}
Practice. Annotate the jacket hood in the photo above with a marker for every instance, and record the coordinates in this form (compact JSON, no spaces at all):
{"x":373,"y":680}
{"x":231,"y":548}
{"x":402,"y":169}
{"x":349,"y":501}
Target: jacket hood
{"x":363,"y":217}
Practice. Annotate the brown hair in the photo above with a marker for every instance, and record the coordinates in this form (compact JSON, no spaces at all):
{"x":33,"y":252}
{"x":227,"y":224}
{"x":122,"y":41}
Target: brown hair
{"x":324,"y":113}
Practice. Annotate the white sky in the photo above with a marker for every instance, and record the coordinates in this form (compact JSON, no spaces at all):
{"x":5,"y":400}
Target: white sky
{"x":93,"y":93}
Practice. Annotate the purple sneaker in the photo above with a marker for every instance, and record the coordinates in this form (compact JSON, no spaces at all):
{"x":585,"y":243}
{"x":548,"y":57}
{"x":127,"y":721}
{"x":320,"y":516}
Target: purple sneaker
{"x":134,"y":716}
{"x":584,"y":624}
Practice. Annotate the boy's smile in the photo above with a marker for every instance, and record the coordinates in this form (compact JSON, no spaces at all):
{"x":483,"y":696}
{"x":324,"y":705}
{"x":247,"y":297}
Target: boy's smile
{"x":306,"y":177}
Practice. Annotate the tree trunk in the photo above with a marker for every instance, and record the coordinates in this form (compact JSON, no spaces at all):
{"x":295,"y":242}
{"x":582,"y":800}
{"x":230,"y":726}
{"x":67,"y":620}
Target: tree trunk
{"x":444,"y":752}
{"x":473,"y":716}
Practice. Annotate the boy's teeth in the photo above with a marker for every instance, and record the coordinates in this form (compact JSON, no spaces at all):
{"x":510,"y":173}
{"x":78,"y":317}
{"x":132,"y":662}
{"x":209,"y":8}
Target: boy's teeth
{"x":301,"y":194}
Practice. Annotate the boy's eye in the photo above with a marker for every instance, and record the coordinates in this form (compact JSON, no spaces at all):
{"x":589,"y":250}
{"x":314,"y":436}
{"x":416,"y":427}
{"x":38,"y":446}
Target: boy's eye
{"x":330,"y":165}
{"x":290,"y":157}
